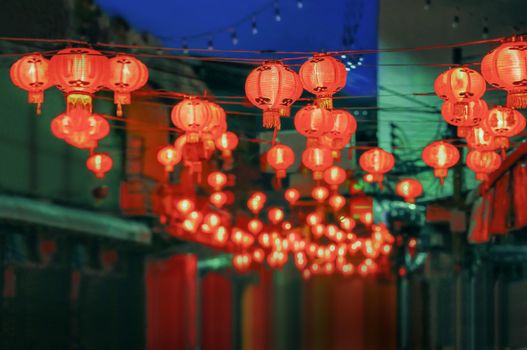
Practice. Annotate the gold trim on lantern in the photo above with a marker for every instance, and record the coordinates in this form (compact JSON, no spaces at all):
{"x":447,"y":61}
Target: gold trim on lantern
{"x":517,"y":99}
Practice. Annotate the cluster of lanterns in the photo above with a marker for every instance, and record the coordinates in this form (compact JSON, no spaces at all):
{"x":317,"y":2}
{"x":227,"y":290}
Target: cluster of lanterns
{"x":80,"y":73}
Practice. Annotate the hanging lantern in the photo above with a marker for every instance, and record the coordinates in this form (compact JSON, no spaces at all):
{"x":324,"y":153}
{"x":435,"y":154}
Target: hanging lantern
{"x":475,"y":112}
{"x":312,"y":122}
{"x":255,"y":226}
{"x":99,"y":164}
{"x":334,"y":176}
{"x":275,"y":215}
{"x":460,"y":86}
{"x":273,"y":87}
{"x":440,"y":155}
{"x":185,"y":206}
{"x":314,"y":218}
{"x":409,"y":189}
{"x":347,"y":223}
{"x":192,"y":116}
{"x":337,"y":202}
{"x":226,"y":143}
{"x":212,"y":220}
{"x":168,"y":156}
{"x":30,"y":73}
{"x":292,"y":195}
{"x":323,"y":76}
{"x":483,"y":163}
{"x":218,"y":199}
{"x":80,"y":130}
{"x":216,"y":126}
{"x":319,"y":193}
{"x":504,"y":121}
{"x":504,"y":68}
{"x":377,"y":162}
{"x":241,"y":262}
{"x":280,"y":157}
{"x":343,"y":125}
{"x":256,"y":202}
{"x":317,"y":159}
{"x":481,"y":139}
{"x":125,"y":75}
{"x":217,"y":180}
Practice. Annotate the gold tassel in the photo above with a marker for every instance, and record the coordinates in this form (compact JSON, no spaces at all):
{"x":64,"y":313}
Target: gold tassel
{"x":324,"y":102}
{"x":271,"y":119}
{"x":517,"y":100}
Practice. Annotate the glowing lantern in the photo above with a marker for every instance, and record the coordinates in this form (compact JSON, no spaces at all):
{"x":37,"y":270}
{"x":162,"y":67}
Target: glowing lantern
{"x":312,"y":121}
{"x":409,"y":189}
{"x":218,"y":199}
{"x":343,"y":125}
{"x":440,"y":155}
{"x":275,"y":215}
{"x":503,"y":121}
{"x":256,"y":202}
{"x":334,"y":176}
{"x":319,"y":193}
{"x":255,"y":226}
{"x":99,"y":164}
{"x":168,"y":156}
{"x":258,"y":255}
{"x":504,"y":68}
{"x":82,"y":130}
{"x":212,"y":220}
{"x":226,"y":143}
{"x":337,"y":201}
{"x":347,"y":223}
{"x":314,"y":218}
{"x":280,"y":157}
{"x":300,"y":260}
{"x":191,"y":115}
{"x":323,"y":76}
{"x":273,"y":87}
{"x":460,"y":86}
{"x":125,"y":74}
{"x":30,"y":73}
{"x":185,"y":206}
{"x":317,"y":159}
{"x":221,"y":235}
{"x":292,"y":195}
{"x":377,"y":162}
{"x":241,"y":262}
{"x":475,"y":112}
{"x":217,"y":180}
{"x":483,"y":163}
{"x":481,"y":139}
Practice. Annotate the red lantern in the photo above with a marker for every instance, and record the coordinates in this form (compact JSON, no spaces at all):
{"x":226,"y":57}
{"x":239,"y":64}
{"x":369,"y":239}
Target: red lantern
{"x":216,"y":126}
{"x":292,"y":195}
{"x":226,"y":143}
{"x":409,"y":189}
{"x":481,"y":139}
{"x":503,"y":121}
{"x":99,"y":164}
{"x":192,"y":116}
{"x":347,"y":223}
{"x":314,"y":218}
{"x":334,"y":176}
{"x":212,"y":220}
{"x":125,"y":74}
{"x":323,"y":76}
{"x":460,"y":86}
{"x":241,"y":262}
{"x":218,"y":199}
{"x":280,"y":157}
{"x":169,"y":156}
{"x":377,"y":162}
{"x":475,"y":111}
{"x":30,"y":73}
{"x":440,"y":155}
{"x":80,"y":130}
{"x":343,"y":125}
{"x":483,"y":163}
{"x":256,"y":202}
{"x":337,"y":202}
{"x":255,"y":226}
{"x":319,"y":193}
{"x":275,"y":215}
{"x":273,"y":87}
{"x":336,"y":145}
{"x":504,"y":68}
{"x":317,"y":159}
{"x":217,"y":180}
{"x":312,"y":121}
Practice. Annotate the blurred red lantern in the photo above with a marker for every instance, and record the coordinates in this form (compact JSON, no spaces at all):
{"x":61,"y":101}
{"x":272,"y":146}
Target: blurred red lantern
{"x":504,"y":68}
{"x":212,"y":220}
{"x":30,"y":73}
{"x":185,"y":206}
{"x":323,"y":76}
{"x":241,"y":262}
{"x":343,"y":125}
{"x":319,"y":193}
{"x":474,"y":112}
{"x":336,"y":202}
{"x":312,"y":121}
{"x":192,"y":116}
{"x":216,"y":126}
{"x":217,"y":180}
{"x":317,"y":159}
{"x":218,"y":199}
{"x":81,"y":130}
{"x":273,"y":87}
{"x":483,"y":163}
{"x":226,"y":143}
{"x":504,"y":121}
{"x":334,"y":176}
{"x":460,"y":86}
{"x":292,"y":195}
{"x":336,"y":145}
{"x":409,"y":189}
{"x":125,"y":74}
{"x":314,"y":218}
{"x":221,"y":235}
{"x":169,"y":156}
{"x":300,"y":260}
{"x":258,"y":255}
{"x":256,"y":202}
{"x":377,"y":162}
{"x":440,"y":155}
{"x":481,"y":139}
{"x":99,"y":164}
{"x":254,"y":226}
{"x":275,"y":215}
{"x":347,"y":223}
{"x":280,"y":157}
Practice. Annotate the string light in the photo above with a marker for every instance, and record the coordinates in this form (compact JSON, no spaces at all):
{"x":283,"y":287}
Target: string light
{"x":485,"y":31}
{"x":210,"y":44}
{"x":234,"y":37}
{"x":455,"y":21}
{"x":300,"y":4}
{"x":277,"y":15}
{"x":427,"y":5}
{"x":254,"y":27}
{"x":185,"y":46}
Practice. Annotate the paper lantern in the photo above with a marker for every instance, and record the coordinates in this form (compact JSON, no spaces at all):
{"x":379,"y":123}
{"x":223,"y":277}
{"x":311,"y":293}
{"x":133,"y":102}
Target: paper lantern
{"x":255,"y":226}
{"x":275,"y":215}
{"x":337,"y":202}
{"x":125,"y":74}
{"x":377,"y":162}
{"x":483,"y":163}
{"x":481,"y":139}
{"x":280,"y":157}
{"x":319,"y":193}
{"x":314,"y":218}
{"x":216,"y":126}
{"x":505,"y":68}
{"x":218,"y":199}
{"x":409,"y":189}
{"x":343,"y":125}
{"x":336,"y":145}
{"x":226,"y":143}
{"x":312,"y":121}
{"x":81,"y":130}
{"x":334,"y":176}
{"x":241,"y":262}
{"x":273,"y":87}
{"x":317,"y":159}
{"x":460,"y":86}
{"x":99,"y":164}
{"x":191,"y":115}
{"x":292,"y":195}
{"x":168,"y":156}
{"x":347,"y":223}
{"x":475,"y":111}
{"x":323,"y":76}
{"x":504,"y":121}
{"x":256,"y":202}
{"x":217,"y":180}
{"x":212,"y":220}
{"x":184,"y":205}
{"x":30,"y":73}
{"x":440,"y":155}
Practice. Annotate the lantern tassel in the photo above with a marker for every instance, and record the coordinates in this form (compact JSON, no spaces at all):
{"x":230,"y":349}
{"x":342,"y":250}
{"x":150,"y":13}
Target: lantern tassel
{"x":39,"y":108}
{"x":324,"y":102}
{"x":271,"y":119}
{"x":517,"y":100}
{"x":119,"y":112}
